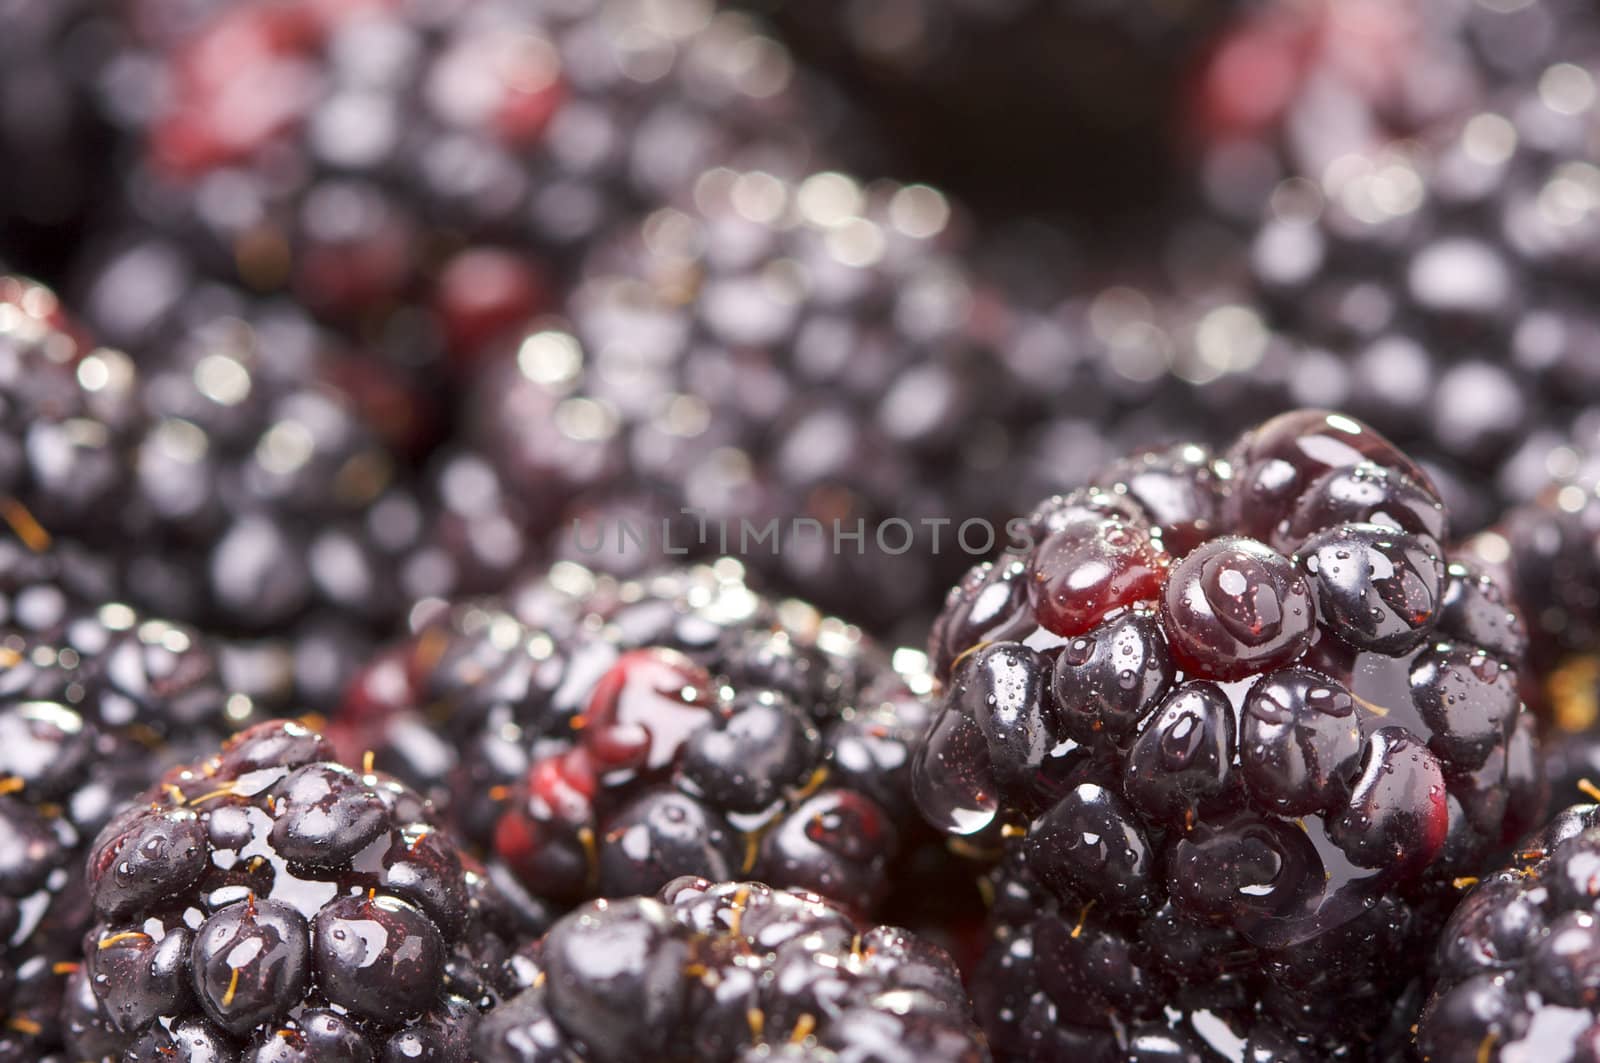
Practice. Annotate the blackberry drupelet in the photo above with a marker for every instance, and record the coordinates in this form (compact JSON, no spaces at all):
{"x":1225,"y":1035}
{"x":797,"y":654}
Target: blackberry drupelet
{"x":604,"y":736}
{"x":91,"y":703}
{"x":269,"y":903}
{"x":1237,"y":722}
{"x":733,"y":971}
{"x":1515,"y":969}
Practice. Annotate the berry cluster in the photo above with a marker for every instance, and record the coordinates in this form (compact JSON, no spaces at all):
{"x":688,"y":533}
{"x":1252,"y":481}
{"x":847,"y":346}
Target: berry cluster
{"x":1418,"y":201}
{"x":1229,"y":712}
{"x":415,"y":172}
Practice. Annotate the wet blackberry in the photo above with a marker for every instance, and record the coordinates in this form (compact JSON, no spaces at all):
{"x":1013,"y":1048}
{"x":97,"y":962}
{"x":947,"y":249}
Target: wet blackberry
{"x":416,"y":172}
{"x":1249,"y":696}
{"x":732,"y":971}
{"x":91,"y":703}
{"x":1514,"y":968}
{"x":604,"y":736}
{"x":268,"y":902}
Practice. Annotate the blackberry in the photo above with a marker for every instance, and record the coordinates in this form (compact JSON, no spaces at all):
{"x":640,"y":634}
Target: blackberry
{"x":420,"y":173}
{"x":267,"y":902}
{"x":701,"y":368}
{"x":602,"y":736}
{"x":91,"y":702}
{"x":1441,"y":270}
{"x":101,"y":449}
{"x":1513,"y":968}
{"x":264,"y":482}
{"x":1244,"y":718}
{"x":732,"y":971}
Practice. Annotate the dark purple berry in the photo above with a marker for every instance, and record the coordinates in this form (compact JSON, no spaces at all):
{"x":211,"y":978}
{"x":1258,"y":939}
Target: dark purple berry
{"x":1235,"y":606}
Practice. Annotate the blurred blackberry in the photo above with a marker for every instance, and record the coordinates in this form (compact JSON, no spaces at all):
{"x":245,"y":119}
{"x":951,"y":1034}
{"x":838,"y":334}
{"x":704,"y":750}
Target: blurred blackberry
{"x":267,"y":902}
{"x":1291,"y":88}
{"x":1450,"y":273}
{"x":239,"y":469}
{"x":732,"y":971}
{"x":1514,"y":967}
{"x":604,"y":736}
{"x":53,"y":145}
{"x":415,"y":171}
{"x":1244,"y":719}
{"x":92,"y":702}
{"x":777,"y":351}
{"x":449,"y":531}
{"x":1019,"y":105}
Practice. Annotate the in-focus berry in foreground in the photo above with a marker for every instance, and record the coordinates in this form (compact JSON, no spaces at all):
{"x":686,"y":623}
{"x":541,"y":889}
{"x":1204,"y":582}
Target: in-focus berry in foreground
{"x":1239,"y":720}
{"x":1518,"y":965}
{"x":269,"y":903}
{"x":732,"y":971}
{"x":605,"y":736}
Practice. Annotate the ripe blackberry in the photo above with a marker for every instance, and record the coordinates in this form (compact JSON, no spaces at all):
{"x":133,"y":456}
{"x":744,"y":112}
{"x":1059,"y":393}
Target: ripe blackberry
{"x":91,"y":703}
{"x":1249,"y":699}
{"x":238,"y":469}
{"x":732,"y":971}
{"x":1447,"y":271}
{"x":702,"y":368}
{"x":604,"y":736}
{"x":1514,"y":967}
{"x":414,"y":172}
{"x":268,"y":902}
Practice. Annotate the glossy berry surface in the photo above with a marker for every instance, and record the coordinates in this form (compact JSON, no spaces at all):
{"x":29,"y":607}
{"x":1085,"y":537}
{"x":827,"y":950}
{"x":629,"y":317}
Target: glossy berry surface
{"x":1280,"y":743}
{"x":603,"y":736}
{"x":731,"y":971}
{"x":1515,"y":965}
{"x":268,"y":903}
